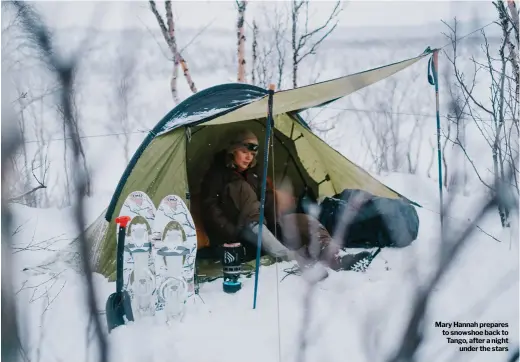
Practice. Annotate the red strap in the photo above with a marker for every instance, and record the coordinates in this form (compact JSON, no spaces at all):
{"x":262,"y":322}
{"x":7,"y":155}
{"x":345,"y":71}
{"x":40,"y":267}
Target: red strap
{"x":269,"y":183}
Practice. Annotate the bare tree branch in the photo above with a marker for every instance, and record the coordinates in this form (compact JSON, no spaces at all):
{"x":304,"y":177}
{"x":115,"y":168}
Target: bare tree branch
{"x":199,"y":33}
{"x":280,"y":29}
{"x":493,"y":133}
{"x":16,"y":198}
{"x":299,"y":41}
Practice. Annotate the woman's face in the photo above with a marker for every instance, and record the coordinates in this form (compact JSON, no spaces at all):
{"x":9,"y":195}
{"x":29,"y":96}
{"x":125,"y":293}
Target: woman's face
{"x":243,"y":157}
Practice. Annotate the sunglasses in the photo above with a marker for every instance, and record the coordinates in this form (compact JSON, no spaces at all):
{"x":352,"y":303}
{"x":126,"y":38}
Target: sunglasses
{"x":250,"y":146}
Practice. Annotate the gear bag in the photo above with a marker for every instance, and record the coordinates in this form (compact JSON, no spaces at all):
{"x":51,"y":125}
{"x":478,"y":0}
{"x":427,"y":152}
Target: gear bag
{"x":374,"y":221}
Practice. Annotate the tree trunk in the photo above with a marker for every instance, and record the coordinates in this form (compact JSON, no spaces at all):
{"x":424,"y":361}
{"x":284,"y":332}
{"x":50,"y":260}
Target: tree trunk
{"x":465,"y":161}
{"x":253,"y":65}
{"x":444,"y":160}
{"x":503,"y":188}
{"x":293,"y":43}
{"x":88,"y":184}
{"x":186,"y":72}
{"x":409,"y":160}
{"x":430,"y":164}
{"x":173,"y":81}
{"x":126,"y":148}
{"x":498,"y":188}
{"x":503,"y":184}
{"x":241,"y":41}
{"x":65,"y":166}
{"x":513,"y":47}
{"x":445,"y":170}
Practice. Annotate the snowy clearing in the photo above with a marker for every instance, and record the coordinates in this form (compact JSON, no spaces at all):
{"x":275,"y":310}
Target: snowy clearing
{"x":351,"y":313}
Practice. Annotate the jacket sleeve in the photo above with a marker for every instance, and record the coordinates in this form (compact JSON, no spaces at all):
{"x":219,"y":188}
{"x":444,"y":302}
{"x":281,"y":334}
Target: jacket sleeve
{"x":213,"y":215}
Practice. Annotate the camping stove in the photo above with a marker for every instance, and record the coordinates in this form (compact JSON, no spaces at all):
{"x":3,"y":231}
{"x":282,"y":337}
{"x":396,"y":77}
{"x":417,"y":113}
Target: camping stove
{"x":232,"y":267}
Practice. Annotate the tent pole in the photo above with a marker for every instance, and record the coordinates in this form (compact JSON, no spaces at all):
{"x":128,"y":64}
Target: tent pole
{"x":435,"y":68}
{"x":270,"y":124}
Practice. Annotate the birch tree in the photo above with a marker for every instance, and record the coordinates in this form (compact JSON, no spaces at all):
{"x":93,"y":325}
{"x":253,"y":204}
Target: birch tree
{"x":253,"y":52}
{"x":171,"y":40}
{"x":241,"y":42}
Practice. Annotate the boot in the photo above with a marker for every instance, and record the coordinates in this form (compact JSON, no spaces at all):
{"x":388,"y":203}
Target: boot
{"x":348,"y":261}
{"x":311,"y":270}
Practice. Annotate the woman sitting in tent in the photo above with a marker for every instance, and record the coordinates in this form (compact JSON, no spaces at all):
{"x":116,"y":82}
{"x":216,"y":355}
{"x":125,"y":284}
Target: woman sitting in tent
{"x":231,"y":192}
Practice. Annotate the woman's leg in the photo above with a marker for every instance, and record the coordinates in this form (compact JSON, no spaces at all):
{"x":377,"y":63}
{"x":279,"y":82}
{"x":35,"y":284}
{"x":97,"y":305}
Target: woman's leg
{"x":304,"y":230}
{"x":246,"y":200}
{"x":270,"y":243}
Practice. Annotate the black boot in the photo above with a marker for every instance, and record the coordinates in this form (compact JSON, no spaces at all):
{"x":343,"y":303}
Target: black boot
{"x":350,"y":261}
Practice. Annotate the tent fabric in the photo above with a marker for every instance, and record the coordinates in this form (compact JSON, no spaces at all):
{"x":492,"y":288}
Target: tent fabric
{"x":343,"y":173}
{"x":175,"y":155}
{"x":209,"y":103}
{"x":160,"y":171}
{"x":200,"y":107}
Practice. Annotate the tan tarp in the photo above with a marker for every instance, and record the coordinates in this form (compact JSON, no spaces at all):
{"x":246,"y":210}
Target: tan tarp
{"x":315,"y":94}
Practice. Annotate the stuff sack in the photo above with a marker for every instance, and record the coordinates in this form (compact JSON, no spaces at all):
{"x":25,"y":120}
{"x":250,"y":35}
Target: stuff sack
{"x":372,"y":221}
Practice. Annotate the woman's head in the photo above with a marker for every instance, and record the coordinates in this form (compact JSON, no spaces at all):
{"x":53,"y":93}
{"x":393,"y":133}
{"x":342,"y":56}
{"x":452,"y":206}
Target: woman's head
{"x":242,"y":150}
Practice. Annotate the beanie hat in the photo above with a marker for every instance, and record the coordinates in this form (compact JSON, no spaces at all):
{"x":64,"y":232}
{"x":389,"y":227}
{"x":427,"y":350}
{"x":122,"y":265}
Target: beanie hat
{"x":237,"y":140}
{"x":243,"y":135}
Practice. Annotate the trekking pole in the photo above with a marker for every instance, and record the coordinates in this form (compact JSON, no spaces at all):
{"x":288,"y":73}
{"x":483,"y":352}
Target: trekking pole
{"x":433,"y":79}
{"x":269,"y":126}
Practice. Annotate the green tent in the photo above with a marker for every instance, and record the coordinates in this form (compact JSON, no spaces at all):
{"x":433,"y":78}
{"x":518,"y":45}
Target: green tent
{"x":175,"y":155}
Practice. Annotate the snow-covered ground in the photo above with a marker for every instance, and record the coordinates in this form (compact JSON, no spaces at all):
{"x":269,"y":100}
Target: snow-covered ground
{"x":354,"y":316}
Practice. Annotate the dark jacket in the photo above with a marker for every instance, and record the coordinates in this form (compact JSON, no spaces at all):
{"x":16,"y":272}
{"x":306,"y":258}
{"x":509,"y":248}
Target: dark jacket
{"x":222,"y":220}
